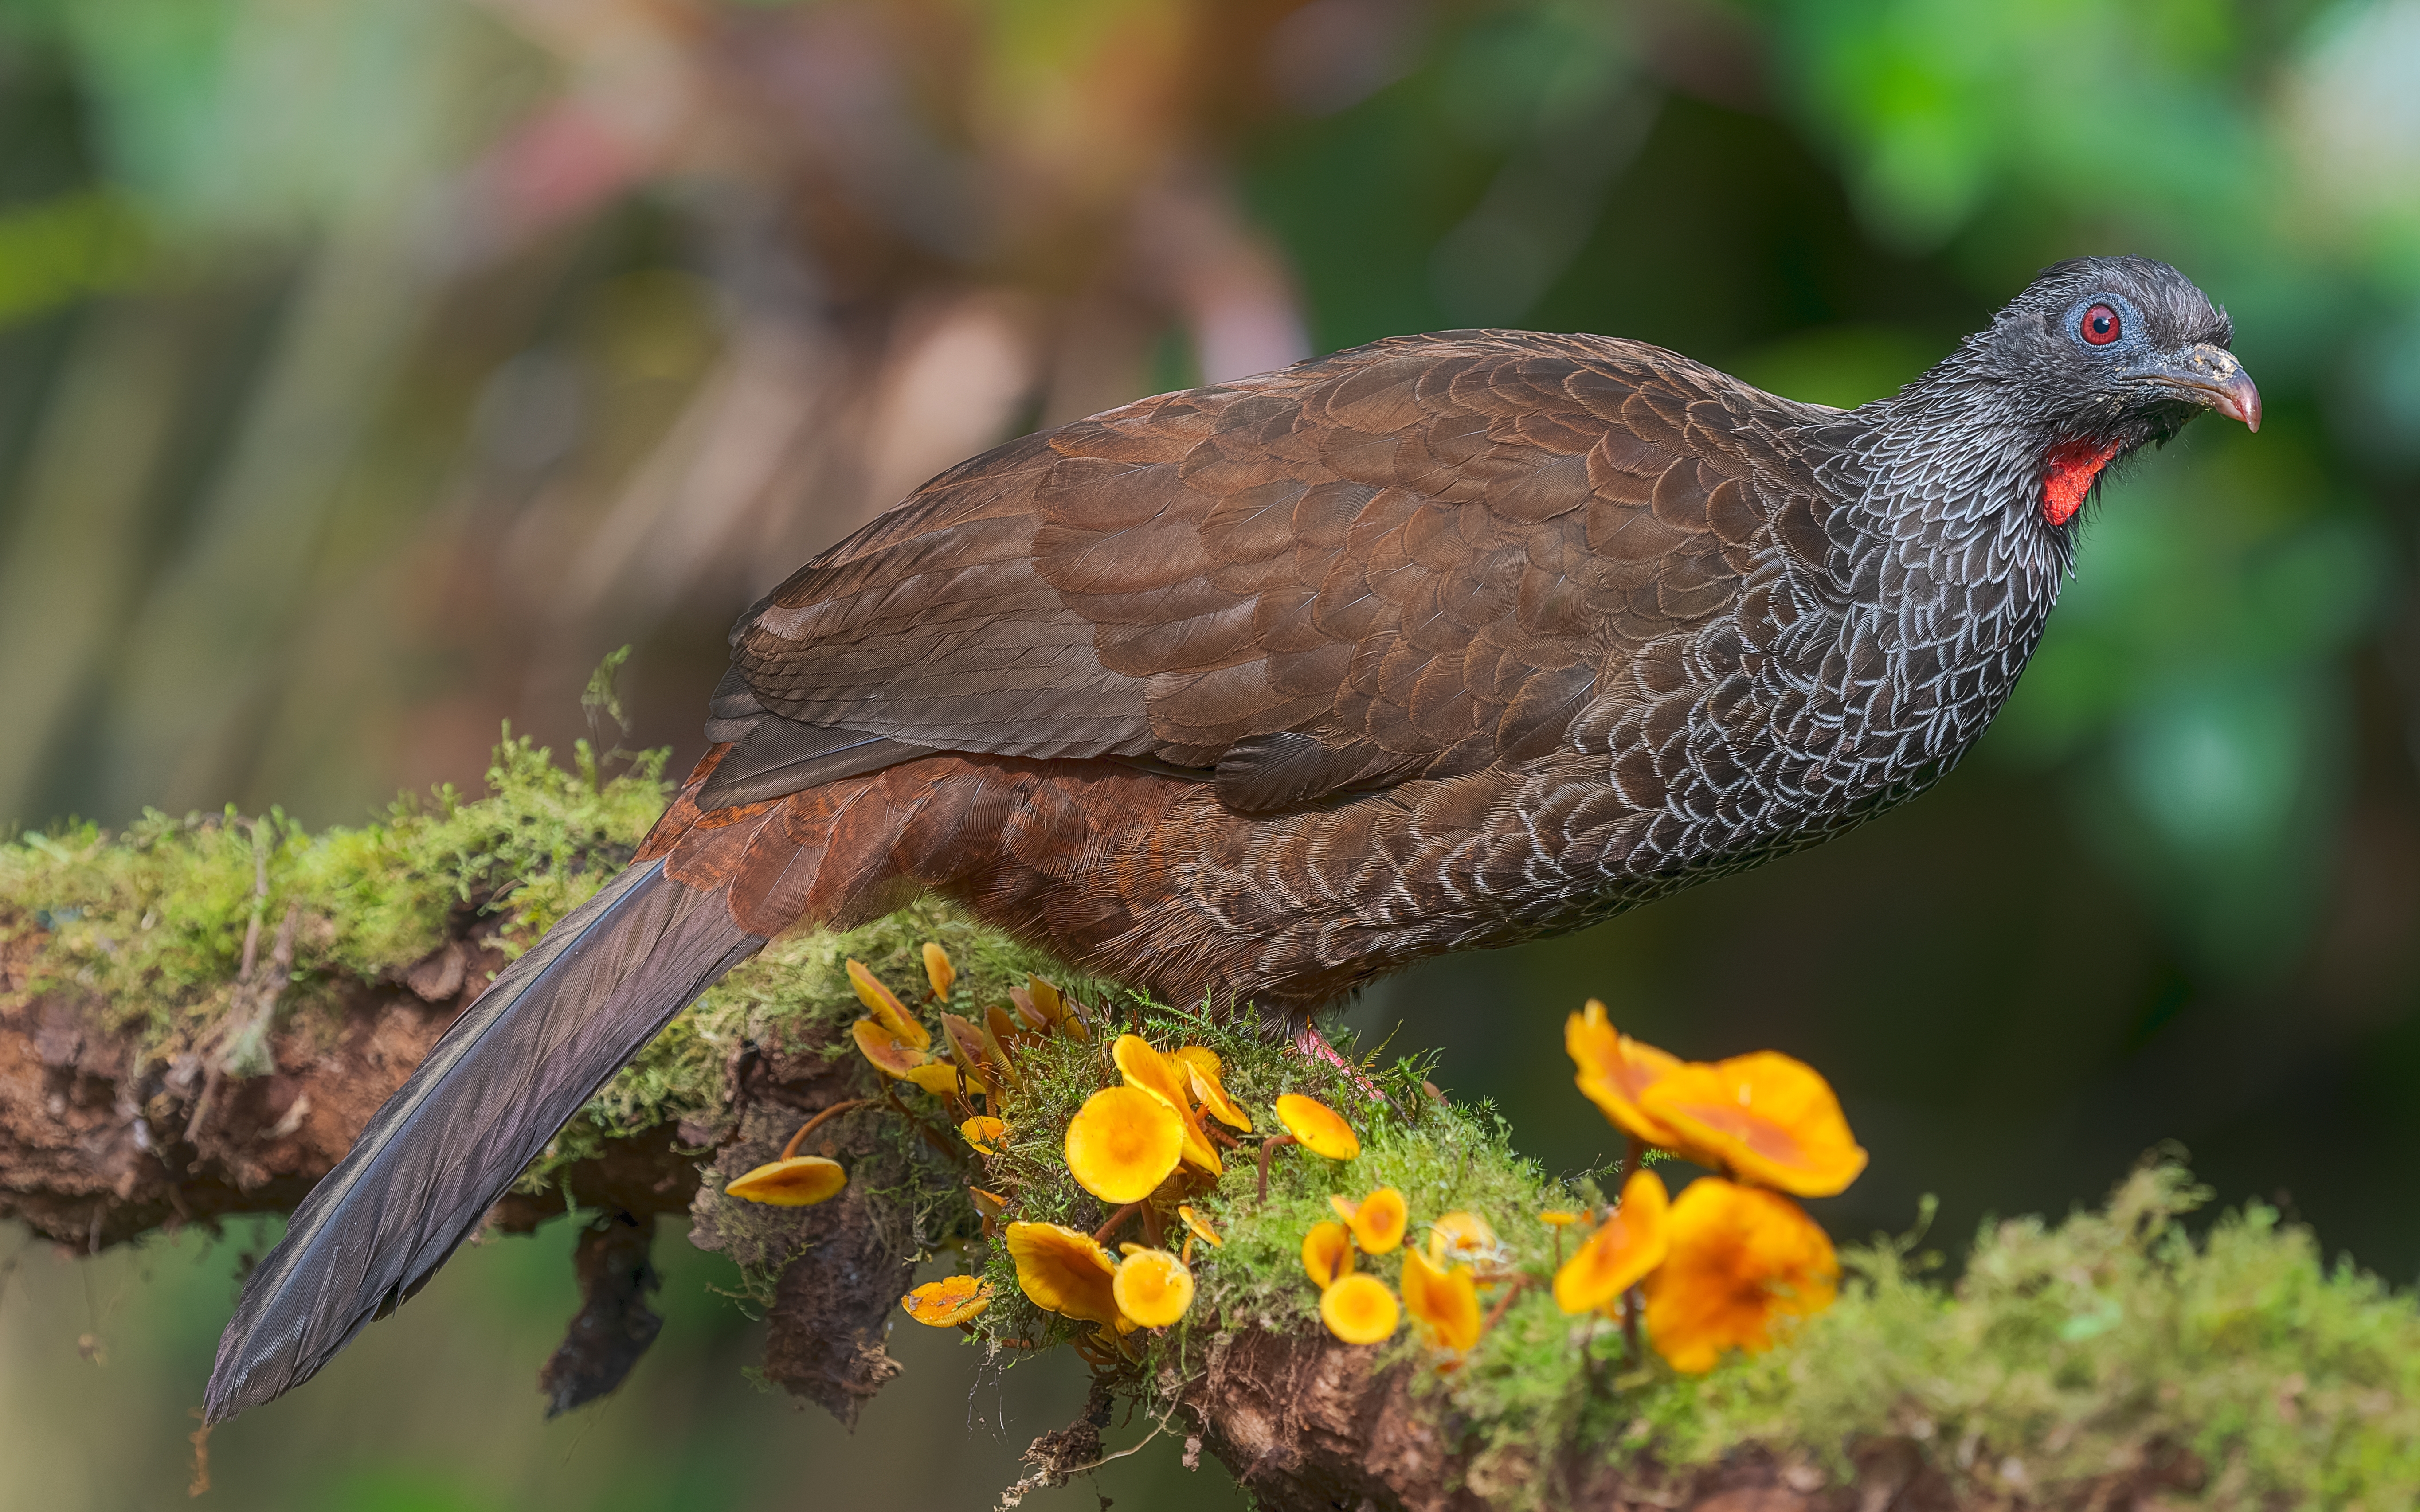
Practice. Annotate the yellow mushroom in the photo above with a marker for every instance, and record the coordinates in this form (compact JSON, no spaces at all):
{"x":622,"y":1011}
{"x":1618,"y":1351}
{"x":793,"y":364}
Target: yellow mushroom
{"x":880,"y":1001}
{"x":1065,"y":1272}
{"x":1378,"y":1221}
{"x":1320,"y":1128}
{"x":1045,"y":1008}
{"x":1620,"y":1253}
{"x":1743,"y":1266}
{"x":947,"y":1303}
{"x":1152,"y":1287}
{"x":1313,"y":1125}
{"x":1613,"y":1068}
{"x":1360,"y":1309}
{"x":1002,"y":1025}
{"x":983,"y":1133}
{"x":799,"y":1182}
{"x":1164,"y":1078}
{"x":1445,"y":1304}
{"x":1199,"y":1225}
{"x":1326,"y":1254}
{"x":1211,"y":1094}
{"x":937,"y":970}
{"x":1122,"y":1143}
{"x":897,"y":1058}
{"x":1463,"y":1237}
{"x":965,"y":1043}
{"x":1203,"y":1070}
{"x":1765,"y":1118}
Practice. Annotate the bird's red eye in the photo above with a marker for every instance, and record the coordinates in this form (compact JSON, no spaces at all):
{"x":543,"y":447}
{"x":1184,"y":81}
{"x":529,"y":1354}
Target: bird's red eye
{"x":2100,"y":326}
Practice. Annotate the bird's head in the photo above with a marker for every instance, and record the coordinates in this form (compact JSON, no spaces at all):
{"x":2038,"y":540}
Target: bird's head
{"x":2098,"y":356}
{"x":2092,"y":361}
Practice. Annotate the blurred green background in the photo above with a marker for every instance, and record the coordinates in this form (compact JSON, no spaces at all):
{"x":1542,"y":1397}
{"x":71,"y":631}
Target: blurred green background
{"x":368,"y":368}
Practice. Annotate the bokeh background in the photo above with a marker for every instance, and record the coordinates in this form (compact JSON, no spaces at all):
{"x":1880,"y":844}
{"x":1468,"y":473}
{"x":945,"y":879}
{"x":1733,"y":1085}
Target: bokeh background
{"x":369,"y":368}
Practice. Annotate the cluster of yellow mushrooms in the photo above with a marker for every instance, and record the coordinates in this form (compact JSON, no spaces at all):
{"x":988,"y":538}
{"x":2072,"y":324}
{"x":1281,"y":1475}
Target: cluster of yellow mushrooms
{"x":1156,"y":1135}
{"x":1710,"y":1271}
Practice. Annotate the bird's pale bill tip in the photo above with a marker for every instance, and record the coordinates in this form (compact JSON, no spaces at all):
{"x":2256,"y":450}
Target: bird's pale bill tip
{"x":2240,"y":400}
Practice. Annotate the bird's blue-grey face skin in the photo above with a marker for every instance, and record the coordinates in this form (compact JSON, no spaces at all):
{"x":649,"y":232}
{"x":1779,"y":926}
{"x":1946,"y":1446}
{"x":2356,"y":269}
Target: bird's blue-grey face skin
{"x":2131,"y":346}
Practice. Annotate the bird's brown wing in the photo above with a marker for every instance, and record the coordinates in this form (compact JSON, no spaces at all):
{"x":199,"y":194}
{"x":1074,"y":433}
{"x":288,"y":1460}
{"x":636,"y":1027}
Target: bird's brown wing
{"x":1409,"y":560}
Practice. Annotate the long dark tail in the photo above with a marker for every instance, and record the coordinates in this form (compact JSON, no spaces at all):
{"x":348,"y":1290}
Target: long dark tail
{"x":511,"y":1071}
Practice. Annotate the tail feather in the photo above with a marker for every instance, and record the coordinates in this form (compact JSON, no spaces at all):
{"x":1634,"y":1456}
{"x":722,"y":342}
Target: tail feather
{"x":552,"y":1029}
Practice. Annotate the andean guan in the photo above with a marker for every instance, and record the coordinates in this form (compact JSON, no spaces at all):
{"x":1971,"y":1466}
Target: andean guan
{"x":1259,"y":691}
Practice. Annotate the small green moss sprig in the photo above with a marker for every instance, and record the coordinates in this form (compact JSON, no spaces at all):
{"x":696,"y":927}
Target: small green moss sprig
{"x":147,"y":926}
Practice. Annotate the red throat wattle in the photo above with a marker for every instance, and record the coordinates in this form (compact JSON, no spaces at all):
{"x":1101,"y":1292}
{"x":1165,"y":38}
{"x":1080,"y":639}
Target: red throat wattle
{"x":2073,"y":466}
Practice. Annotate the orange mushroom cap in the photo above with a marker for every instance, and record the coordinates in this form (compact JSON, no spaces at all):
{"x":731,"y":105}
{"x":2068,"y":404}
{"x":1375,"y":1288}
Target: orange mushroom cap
{"x":1152,"y":1287}
{"x":1378,"y":1221}
{"x":964,"y":1040}
{"x":1326,"y":1254}
{"x":800,"y":1181}
{"x":1445,"y":1304}
{"x":1065,"y":1272}
{"x":990,"y":1204}
{"x":1741,"y":1261}
{"x":1360,"y":1309}
{"x":1322,"y":1129}
{"x":1613,"y":1068}
{"x":947,"y":1303}
{"x":939,"y":973}
{"x":880,"y":1001}
{"x":1167,"y":1079}
{"x":890,"y":1055}
{"x":1766,"y":1117}
{"x":943,"y":1078}
{"x":1461,"y":1235}
{"x":1560,"y":1217}
{"x":1623,"y":1250}
{"x":983,"y":1133}
{"x":1200,"y":1225}
{"x":1211,"y":1092}
{"x":1122,"y":1143}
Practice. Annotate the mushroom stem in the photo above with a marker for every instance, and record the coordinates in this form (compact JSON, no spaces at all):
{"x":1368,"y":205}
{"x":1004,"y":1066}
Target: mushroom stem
{"x":932,"y":1135}
{"x":1633,"y":1159}
{"x":790,"y":1151}
{"x":1268,"y":1148}
{"x":1496,"y":1313}
{"x":1225,"y":1139}
{"x":1115,"y":1222}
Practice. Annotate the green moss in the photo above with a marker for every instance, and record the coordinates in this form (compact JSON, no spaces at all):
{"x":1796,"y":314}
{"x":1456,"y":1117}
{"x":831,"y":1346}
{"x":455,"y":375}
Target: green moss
{"x":2070,"y":1350}
{"x":148,"y":925}
{"x":795,"y":995}
{"x":2064,"y":1352}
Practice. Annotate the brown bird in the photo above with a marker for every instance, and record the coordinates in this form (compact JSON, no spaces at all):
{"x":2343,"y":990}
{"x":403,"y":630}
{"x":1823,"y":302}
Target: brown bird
{"x":1256,"y":693}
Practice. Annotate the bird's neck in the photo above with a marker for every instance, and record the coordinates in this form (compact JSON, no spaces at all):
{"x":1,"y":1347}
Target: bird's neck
{"x":1955,"y":461}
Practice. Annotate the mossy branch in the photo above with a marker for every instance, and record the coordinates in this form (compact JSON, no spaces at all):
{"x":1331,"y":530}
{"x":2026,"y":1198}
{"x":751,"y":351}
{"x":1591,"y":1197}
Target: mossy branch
{"x":197,"y":1015}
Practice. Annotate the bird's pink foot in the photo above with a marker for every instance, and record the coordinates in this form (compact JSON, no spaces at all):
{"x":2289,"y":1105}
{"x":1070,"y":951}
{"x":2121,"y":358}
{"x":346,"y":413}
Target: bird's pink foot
{"x":1314,"y":1046}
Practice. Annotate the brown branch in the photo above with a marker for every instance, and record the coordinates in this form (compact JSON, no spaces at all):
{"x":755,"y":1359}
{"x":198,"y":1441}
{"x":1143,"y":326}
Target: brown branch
{"x":92,"y":1153}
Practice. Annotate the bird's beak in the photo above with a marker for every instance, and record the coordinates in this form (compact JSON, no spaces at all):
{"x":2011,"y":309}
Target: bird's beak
{"x":2207,"y":376}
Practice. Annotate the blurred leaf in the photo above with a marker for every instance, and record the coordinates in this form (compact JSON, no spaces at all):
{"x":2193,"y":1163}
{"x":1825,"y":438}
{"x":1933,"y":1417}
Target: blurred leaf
{"x":63,"y":249}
